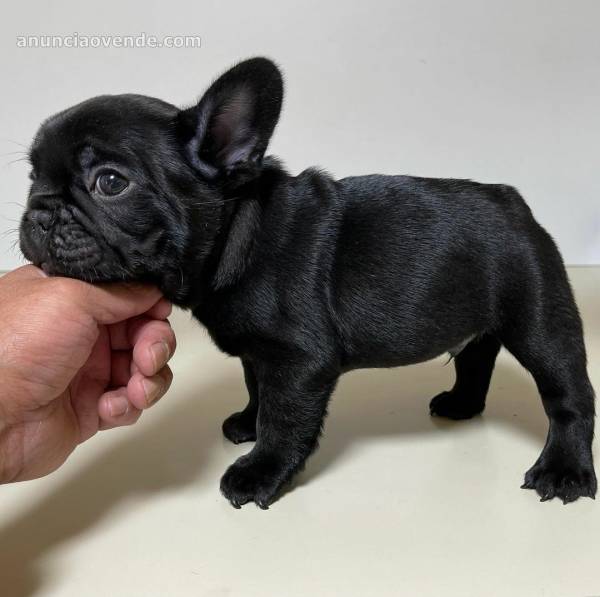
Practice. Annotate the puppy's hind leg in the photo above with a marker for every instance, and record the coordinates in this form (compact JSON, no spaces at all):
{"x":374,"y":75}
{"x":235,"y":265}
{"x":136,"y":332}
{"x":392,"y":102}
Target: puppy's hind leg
{"x":547,"y":339}
{"x":241,"y":426}
{"x":474,"y":366}
{"x":565,"y":467}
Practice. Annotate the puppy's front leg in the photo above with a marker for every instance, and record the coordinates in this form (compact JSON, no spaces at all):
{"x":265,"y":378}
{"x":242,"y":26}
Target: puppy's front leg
{"x":241,"y":426}
{"x":292,"y":404}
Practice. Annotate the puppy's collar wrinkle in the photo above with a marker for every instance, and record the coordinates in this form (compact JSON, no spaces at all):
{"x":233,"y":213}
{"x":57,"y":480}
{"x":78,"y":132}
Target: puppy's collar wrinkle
{"x":232,"y":248}
{"x":234,"y":244}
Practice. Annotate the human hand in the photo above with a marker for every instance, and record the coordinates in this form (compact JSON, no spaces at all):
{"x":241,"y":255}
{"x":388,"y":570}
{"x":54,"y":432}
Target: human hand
{"x":74,"y":359}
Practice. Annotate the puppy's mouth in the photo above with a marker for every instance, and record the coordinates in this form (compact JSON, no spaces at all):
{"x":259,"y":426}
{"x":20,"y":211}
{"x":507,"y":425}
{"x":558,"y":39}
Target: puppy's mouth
{"x":63,"y":247}
{"x":46,"y":267}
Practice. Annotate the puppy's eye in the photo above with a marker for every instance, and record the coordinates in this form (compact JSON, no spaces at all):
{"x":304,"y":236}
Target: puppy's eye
{"x":32,"y":175}
{"x":111,"y":183}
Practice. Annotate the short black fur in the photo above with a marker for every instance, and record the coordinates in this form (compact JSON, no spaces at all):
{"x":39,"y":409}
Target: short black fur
{"x":305,"y":277}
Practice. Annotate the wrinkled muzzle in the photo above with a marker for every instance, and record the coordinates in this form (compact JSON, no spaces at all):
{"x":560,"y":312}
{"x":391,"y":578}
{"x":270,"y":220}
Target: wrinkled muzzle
{"x":52,"y":238}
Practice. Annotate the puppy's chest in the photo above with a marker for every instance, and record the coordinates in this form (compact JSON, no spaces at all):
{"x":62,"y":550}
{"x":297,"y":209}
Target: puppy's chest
{"x":234,"y":326}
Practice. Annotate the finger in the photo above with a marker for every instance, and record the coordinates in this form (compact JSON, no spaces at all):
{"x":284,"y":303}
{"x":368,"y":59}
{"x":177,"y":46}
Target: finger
{"x":153,"y":344}
{"x":116,"y":410}
{"x":23,"y":278}
{"x":160,"y":310}
{"x":120,"y":368}
{"x":119,"y":335}
{"x":143,"y":392}
{"x":120,"y":332}
{"x":26,"y":272}
{"x":110,"y":303}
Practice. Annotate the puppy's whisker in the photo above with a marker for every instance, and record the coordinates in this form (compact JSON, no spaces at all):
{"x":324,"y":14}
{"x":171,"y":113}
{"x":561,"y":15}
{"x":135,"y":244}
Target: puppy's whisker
{"x":20,"y":152}
{"x":83,"y":274}
{"x":23,"y":159}
{"x":14,"y":248}
{"x":11,"y":220}
{"x":15,"y":142}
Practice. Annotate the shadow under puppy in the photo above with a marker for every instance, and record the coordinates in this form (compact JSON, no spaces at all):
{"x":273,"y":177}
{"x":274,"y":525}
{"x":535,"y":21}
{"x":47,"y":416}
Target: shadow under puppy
{"x":305,"y":277}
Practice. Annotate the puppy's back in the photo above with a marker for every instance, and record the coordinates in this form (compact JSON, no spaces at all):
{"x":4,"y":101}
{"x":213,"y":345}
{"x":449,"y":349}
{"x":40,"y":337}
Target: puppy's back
{"x":425,"y":262}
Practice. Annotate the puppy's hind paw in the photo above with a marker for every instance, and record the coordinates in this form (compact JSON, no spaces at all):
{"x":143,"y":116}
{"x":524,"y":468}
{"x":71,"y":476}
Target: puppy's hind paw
{"x":567,"y":483}
{"x":240,"y":427}
{"x":455,"y":406}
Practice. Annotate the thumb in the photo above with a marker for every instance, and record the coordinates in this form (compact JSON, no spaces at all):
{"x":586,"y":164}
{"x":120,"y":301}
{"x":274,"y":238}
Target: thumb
{"x":111,"y":303}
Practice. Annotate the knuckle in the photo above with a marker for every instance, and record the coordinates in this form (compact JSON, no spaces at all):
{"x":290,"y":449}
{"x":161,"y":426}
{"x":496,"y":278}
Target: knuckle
{"x":171,"y":340}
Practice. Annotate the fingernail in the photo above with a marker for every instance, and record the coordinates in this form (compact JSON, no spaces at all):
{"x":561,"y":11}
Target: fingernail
{"x":160,"y":352}
{"x":118,"y":406}
{"x":153,"y":388}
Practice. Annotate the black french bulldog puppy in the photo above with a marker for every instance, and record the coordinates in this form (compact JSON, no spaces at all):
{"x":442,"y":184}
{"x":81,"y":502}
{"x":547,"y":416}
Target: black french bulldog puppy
{"x":305,"y":277}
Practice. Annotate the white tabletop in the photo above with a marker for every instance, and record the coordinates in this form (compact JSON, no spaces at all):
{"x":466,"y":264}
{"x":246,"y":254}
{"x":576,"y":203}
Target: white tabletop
{"x":393,"y":503}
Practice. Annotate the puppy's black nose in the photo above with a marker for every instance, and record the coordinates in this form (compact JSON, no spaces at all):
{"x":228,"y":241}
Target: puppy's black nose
{"x":41,"y":218}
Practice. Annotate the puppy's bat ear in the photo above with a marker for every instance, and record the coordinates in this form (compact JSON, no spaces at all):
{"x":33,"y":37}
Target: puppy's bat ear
{"x":227,"y":132}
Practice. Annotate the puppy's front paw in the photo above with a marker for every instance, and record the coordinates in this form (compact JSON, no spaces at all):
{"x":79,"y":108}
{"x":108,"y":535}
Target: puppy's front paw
{"x":554,"y":477}
{"x":252,"y":479}
{"x":455,"y":406}
{"x":240,"y":427}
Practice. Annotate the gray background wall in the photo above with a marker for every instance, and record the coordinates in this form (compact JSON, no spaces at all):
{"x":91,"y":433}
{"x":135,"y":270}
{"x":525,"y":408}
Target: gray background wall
{"x":496,"y":91}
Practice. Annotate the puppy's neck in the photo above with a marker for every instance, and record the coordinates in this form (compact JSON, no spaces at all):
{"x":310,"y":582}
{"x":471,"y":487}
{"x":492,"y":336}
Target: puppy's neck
{"x":241,"y":223}
{"x":233,"y":249}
